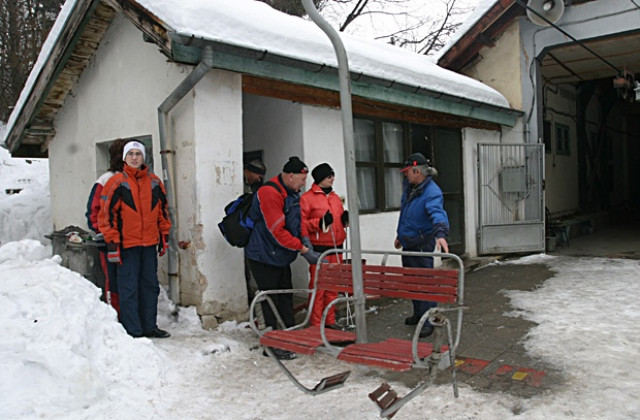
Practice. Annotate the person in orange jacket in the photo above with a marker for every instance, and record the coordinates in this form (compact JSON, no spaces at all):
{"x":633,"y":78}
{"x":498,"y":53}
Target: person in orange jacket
{"x":324,"y":220}
{"x":134,"y":220}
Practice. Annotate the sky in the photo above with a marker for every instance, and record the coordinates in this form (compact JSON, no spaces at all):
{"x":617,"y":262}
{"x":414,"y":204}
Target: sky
{"x":63,"y":355}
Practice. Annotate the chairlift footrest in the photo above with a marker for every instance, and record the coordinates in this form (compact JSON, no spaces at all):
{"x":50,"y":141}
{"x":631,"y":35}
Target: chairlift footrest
{"x":384,"y":396}
{"x":331,"y":382}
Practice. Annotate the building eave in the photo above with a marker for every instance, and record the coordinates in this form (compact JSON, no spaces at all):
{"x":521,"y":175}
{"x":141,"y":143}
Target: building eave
{"x":186,"y":49}
{"x":33,"y":127}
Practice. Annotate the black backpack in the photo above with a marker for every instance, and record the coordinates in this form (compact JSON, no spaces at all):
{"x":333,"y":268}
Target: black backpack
{"x":236,"y":226}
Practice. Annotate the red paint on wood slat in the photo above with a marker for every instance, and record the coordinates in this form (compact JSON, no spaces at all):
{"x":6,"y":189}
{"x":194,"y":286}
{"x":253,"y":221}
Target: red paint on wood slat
{"x":393,"y":353}
{"x":304,"y":341}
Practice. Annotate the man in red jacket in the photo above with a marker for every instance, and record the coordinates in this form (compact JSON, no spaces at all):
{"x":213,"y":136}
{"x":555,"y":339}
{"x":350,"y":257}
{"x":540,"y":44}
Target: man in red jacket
{"x":323,"y":221}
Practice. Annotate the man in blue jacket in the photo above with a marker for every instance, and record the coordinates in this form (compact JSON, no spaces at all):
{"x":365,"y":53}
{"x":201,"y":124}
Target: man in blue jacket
{"x":422,"y":225}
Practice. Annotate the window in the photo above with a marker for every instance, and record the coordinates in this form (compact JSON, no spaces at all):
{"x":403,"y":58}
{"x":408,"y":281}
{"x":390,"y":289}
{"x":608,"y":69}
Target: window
{"x":380,"y":149}
{"x":562,"y":140}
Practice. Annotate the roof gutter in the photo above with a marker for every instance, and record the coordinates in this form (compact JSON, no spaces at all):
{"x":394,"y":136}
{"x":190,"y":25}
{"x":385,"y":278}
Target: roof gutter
{"x":437,"y":98}
{"x":206,"y":63}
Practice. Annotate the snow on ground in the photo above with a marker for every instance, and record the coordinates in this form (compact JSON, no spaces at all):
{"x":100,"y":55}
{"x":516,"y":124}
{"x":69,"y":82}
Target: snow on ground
{"x":65,"y":356}
{"x":27,"y":213}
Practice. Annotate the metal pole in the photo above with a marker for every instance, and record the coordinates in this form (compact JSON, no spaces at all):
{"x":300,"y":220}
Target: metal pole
{"x":350,"y":165}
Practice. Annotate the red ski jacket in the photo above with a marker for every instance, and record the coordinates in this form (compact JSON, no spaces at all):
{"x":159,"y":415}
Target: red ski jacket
{"x":313,"y":205}
{"x":133,"y":208}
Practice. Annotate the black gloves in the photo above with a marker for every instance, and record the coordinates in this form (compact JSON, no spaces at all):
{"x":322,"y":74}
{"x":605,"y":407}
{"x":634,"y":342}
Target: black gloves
{"x":113,"y":253}
{"x":326,"y":221}
{"x":163,"y":245}
{"x":345,"y":218}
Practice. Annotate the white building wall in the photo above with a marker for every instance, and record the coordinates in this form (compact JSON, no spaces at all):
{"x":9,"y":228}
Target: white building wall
{"x":561,"y":171}
{"x":275,"y":126}
{"x":104,"y":106}
{"x":217,"y":179}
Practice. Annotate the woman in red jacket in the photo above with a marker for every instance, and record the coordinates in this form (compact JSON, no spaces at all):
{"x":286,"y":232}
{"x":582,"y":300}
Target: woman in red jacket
{"x":134,"y":220}
{"x":324,"y":220}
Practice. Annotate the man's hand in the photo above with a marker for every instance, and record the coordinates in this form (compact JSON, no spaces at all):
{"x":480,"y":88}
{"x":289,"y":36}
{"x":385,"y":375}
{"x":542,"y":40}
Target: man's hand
{"x":397,"y":244}
{"x":442,"y":245}
{"x":163,"y":245}
{"x":311,"y":256}
{"x":113,"y":253}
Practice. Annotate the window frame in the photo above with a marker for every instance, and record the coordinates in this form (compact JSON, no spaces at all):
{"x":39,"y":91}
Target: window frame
{"x":379,"y":164}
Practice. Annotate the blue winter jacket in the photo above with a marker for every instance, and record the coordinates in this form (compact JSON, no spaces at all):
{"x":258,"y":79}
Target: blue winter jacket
{"x":275,"y":239}
{"x":422,"y":216}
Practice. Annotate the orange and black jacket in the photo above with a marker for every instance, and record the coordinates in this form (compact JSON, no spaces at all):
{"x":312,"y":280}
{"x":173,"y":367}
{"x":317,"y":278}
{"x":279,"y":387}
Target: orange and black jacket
{"x":133,"y":208}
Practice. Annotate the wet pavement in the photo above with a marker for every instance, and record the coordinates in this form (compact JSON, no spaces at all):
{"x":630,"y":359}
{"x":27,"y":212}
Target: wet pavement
{"x":491,"y":356}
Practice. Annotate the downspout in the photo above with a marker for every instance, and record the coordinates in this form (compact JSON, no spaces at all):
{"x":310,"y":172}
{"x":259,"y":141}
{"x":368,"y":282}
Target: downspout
{"x":350,"y":165}
{"x":206,"y":62}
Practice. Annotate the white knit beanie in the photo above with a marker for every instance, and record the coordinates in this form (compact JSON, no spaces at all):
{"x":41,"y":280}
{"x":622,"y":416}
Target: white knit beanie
{"x":134,"y":145}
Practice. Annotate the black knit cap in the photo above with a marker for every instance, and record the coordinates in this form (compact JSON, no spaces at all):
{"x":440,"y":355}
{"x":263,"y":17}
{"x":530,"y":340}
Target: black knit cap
{"x":295,"y":166}
{"x":321,"y":172}
{"x":256,"y":166}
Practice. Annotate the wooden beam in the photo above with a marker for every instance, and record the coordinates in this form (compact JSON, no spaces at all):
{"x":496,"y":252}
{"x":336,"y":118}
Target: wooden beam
{"x":361,"y":106}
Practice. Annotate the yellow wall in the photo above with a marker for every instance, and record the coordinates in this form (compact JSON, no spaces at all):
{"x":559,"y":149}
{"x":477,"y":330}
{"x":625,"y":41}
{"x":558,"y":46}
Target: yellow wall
{"x":499,"y":66}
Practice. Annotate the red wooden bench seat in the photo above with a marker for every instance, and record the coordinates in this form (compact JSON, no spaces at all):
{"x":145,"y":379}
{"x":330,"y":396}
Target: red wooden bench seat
{"x":392,"y":353}
{"x":306,"y":340}
{"x":443,"y":285}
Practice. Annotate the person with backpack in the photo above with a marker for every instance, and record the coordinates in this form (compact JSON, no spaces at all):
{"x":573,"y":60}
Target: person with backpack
{"x":253,"y":172}
{"x":275,"y":241}
{"x":109,"y":269}
{"x":324,"y":220}
{"x":134,"y":219}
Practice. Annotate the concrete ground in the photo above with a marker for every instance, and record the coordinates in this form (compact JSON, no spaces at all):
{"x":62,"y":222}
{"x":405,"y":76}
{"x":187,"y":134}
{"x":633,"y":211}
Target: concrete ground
{"x":491,"y":356}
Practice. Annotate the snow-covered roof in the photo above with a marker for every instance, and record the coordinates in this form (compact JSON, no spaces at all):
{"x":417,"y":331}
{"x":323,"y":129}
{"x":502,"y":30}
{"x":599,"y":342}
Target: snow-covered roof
{"x":255,"y":25}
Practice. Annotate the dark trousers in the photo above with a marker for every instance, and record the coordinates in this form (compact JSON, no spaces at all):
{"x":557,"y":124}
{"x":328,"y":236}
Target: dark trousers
{"x":138,"y":289}
{"x":420,"y":307}
{"x":270,"y":277}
